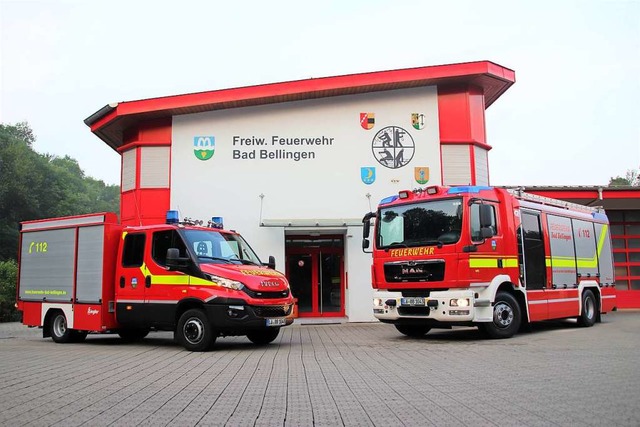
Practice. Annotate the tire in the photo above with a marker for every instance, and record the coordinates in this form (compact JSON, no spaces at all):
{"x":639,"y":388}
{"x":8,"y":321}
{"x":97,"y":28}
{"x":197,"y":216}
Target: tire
{"x":507,"y":317}
{"x":194,"y":331}
{"x":133,"y":335}
{"x":263,"y":336}
{"x":589,"y":311}
{"x":58,"y":328}
{"x":414,"y":331}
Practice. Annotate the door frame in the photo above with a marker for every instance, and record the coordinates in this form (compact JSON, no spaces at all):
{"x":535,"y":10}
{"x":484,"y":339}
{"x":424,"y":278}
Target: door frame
{"x":315,"y":252}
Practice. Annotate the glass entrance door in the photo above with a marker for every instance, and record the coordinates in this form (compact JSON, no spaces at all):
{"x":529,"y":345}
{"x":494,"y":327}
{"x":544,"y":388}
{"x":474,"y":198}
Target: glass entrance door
{"x":316,"y":278}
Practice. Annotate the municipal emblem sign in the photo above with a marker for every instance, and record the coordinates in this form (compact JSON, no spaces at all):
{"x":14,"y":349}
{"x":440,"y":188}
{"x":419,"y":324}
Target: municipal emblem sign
{"x":393,"y":147}
{"x":204,"y":147}
{"x":367,"y":120}
{"x":421,"y":175}
{"x":417,"y":120}
{"x":368,"y":175}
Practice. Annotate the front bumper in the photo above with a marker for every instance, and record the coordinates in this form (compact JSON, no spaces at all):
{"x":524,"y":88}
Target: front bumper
{"x":238,"y":319}
{"x":450,"y":306}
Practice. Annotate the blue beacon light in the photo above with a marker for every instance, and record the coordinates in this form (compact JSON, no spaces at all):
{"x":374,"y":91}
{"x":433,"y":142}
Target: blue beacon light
{"x":216,"y":222}
{"x":172,"y":217}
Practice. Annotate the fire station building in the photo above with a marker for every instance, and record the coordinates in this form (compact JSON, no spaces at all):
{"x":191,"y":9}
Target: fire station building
{"x":294,"y":166}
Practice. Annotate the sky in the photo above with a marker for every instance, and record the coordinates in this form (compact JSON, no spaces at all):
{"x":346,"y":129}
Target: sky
{"x":571,"y":118}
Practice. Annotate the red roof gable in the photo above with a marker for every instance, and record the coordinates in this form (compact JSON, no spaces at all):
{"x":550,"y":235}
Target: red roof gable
{"x":111,"y":121}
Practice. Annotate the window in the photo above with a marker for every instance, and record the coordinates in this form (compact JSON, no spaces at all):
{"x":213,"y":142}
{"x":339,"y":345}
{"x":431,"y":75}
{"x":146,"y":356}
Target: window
{"x":163,"y":240}
{"x":625,"y":230}
{"x":476,"y":234}
{"x":133,"y":252}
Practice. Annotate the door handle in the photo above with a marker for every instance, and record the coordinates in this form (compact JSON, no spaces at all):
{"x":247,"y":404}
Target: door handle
{"x":147,"y":281}
{"x":122,"y":281}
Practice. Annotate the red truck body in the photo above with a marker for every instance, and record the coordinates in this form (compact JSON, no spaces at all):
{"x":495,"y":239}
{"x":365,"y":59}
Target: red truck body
{"x":88,"y":274}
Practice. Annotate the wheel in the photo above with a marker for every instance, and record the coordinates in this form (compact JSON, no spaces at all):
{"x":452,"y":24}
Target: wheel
{"x":263,"y":336}
{"x":58,"y":328}
{"x":78,"y":336}
{"x":506,"y":317}
{"x":194,"y":331}
{"x":132,"y":335}
{"x":413,"y":330}
{"x":589,"y":309}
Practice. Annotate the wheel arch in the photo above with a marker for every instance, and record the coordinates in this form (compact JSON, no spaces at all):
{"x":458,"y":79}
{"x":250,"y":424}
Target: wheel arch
{"x":48,"y":310}
{"x":184,"y":305}
{"x":591,"y":285}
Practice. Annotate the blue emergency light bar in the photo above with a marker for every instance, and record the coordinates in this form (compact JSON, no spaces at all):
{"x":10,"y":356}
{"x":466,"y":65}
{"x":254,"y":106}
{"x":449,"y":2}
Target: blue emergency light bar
{"x":216,"y":222}
{"x":468,"y":189}
{"x":172,"y":217}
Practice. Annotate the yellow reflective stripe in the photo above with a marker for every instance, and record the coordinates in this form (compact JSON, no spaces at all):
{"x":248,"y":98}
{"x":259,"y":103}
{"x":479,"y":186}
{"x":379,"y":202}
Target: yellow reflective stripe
{"x":490,"y":262}
{"x":564,"y":261}
{"x":174,"y":279}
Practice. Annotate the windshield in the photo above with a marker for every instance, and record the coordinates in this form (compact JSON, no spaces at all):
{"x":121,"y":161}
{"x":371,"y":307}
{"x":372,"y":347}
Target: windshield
{"x":430,"y":223}
{"x":211,"y":246}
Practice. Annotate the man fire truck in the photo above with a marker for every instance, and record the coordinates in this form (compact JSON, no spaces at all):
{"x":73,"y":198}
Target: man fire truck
{"x":88,"y":274}
{"x":490,"y":257}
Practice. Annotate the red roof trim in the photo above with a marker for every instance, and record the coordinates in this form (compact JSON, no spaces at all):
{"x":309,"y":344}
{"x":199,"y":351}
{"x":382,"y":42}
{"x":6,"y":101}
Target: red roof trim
{"x":102,"y":121}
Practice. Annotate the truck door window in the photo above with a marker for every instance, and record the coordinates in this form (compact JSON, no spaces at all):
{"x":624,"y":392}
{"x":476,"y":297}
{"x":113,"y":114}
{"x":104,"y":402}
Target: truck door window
{"x":133,"y":251}
{"x":476,"y":234}
{"x":163,"y":240}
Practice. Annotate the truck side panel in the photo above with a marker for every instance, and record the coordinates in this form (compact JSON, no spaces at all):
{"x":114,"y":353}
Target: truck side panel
{"x":47,"y":265}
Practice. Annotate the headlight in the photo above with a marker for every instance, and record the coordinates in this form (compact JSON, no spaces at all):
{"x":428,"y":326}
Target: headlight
{"x":226,"y":283}
{"x":460,"y":302}
{"x":377,"y":302}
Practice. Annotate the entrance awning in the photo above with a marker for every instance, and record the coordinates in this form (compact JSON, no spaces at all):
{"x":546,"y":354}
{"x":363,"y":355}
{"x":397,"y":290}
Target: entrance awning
{"x":311,"y":223}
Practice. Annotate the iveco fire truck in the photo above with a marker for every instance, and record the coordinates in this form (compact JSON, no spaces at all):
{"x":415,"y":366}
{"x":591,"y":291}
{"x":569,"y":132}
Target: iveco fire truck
{"x":490,"y":257}
{"x":88,"y":274}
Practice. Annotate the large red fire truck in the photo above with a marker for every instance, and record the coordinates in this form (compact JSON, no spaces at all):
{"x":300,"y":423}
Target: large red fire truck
{"x":490,"y":257}
{"x":88,"y":274}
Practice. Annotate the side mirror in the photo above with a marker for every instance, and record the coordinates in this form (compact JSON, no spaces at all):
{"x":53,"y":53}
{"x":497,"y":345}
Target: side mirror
{"x":486,"y":216}
{"x":272,"y":262}
{"x":366,"y":230}
{"x":174,"y":260}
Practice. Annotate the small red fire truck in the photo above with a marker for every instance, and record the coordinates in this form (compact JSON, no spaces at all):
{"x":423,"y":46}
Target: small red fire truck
{"x":490,"y":257}
{"x":88,"y":274}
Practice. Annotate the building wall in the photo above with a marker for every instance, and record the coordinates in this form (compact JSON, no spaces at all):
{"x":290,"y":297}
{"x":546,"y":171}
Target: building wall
{"x":253,"y":179}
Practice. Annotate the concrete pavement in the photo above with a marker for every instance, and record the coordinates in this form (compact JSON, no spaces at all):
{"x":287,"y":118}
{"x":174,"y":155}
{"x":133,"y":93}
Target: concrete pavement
{"x":349,"y":374}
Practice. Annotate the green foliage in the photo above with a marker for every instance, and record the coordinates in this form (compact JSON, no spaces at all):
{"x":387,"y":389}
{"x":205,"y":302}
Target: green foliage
{"x":8,"y":280}
{"x":632,"y":178}
{"x":36,"y":186}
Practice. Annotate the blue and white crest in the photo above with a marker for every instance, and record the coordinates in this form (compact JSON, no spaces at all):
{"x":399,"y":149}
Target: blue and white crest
{"x":368,"y":174}
{"x":204,"y":146}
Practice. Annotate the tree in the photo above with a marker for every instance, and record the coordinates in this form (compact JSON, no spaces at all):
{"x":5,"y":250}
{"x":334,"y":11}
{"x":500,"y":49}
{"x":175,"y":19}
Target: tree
{"x":632,"y":178}
{"x":8,"y":278}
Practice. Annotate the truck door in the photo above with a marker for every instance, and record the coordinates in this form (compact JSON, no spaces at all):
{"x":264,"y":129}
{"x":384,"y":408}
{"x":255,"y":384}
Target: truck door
{"x":130,"y":282}
{"x":531,"y":257}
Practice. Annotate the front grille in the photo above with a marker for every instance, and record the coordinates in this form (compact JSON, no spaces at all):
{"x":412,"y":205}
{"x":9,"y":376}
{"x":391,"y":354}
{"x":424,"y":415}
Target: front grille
{"x":414,"y":271}
{"x":272,"y":310}
{"x":413,"y":311}
{"x":265,"y":294}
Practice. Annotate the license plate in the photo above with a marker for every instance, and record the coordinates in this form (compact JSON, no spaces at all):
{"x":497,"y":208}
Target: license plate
{"x":279,"y":321}
{"x":413,"y":301}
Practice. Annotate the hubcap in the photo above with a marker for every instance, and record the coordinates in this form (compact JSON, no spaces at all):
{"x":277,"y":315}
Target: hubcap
{"x":589,"y":307}
{"x":59,"y":326}
{"x":502,"y":315}
{"x":193,"y":330}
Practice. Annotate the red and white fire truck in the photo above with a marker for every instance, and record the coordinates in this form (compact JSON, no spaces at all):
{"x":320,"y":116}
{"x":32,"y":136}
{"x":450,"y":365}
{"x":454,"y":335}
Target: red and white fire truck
{"x":490,"y":257}
{"x":88,"y":274}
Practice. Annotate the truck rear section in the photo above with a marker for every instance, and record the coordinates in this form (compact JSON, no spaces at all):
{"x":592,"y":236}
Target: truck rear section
{"x":65,"y":278}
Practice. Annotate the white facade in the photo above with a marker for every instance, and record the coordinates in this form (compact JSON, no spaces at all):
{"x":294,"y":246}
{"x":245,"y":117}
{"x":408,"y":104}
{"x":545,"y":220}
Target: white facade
{"x":297,"y":168}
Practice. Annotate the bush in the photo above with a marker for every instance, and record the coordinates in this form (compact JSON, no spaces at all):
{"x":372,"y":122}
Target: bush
{"x":8,"y":281}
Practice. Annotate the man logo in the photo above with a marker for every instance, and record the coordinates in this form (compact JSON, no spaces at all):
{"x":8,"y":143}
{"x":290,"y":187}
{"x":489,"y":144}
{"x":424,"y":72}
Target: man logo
{"x":367,"y":120}
{"x":421,"y":175}
{"x":204,"y":147}
{"x":368,"y":175}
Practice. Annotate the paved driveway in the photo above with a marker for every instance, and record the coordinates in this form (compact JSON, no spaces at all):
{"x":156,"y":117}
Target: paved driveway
{"x":349,"y":374}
